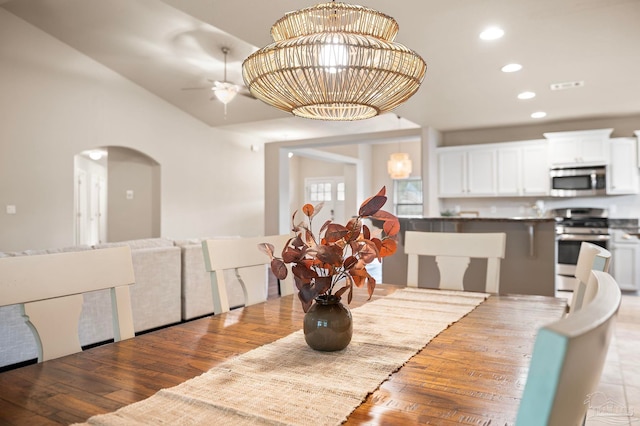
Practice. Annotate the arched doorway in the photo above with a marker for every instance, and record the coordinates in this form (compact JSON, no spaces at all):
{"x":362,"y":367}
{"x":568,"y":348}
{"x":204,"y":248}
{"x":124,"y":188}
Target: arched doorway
{"x":116,"y":195}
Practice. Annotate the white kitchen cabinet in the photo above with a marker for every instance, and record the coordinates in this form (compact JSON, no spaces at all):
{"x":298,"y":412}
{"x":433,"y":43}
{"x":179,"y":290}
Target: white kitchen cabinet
{"x":466,"y":172}
{"x":535,"y":169}
{"x":579,"y":148}
{"x":509,"y":181}
{"x":625,"y":259}
{"x":452,"y":173}
{"x":481,"y":172}
{"x":622,"y":171}
{"x":523,"y":169}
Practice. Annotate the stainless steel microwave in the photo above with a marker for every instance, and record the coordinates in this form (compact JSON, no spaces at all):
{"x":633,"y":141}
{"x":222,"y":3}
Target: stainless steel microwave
{"x":578,"y":181}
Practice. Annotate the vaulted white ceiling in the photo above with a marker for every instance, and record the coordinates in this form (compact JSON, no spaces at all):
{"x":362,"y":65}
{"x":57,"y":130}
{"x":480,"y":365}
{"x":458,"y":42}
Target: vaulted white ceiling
{"x":166,"y":46}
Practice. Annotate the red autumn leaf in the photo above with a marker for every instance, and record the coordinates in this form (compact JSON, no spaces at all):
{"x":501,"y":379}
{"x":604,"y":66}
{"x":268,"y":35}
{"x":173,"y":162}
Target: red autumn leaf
{"x":317,"y":209}
{"x":335,"y":232}
{"x":306,"y":296}
{"x":358,"y":280}
{"x":308,"y":210}
{"x":300,"y":283}
{"x":368,"y":251}
{"x":322,"y":284}
{"x":267,"y":248}
{"x":370,"y":205}
{"x":324,"y":226}
{"x":303,"y":272}
{"x":366,"y":232}
{"x":350,"y":262}
{"x":330,"y":254}
{"x":291,"y":254}
{"x":391,"y":227}
{"x":279,"y":269}
{"x":371,"y":285}
{"x":354,"y":226}
{"x":389,"y":246}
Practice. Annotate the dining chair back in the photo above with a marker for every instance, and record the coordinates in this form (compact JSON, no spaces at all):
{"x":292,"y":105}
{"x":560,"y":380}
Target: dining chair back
{"x":50,"y":287}
{"x":591,"y":257}
{"x":453,"y":252}
{"x":568,"y":358}
{"x":236,"y":254}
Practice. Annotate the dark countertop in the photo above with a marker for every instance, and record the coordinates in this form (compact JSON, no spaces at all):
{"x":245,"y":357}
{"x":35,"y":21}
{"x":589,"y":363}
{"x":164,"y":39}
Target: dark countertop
{"x":482,"y":219}
{"x":631,"y":224}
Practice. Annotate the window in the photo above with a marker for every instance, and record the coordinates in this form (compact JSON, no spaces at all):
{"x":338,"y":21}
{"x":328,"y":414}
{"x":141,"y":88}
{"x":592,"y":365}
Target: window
{"x":407,"y":197}
{"x":320,"y":191}
{"x":340,"y":191}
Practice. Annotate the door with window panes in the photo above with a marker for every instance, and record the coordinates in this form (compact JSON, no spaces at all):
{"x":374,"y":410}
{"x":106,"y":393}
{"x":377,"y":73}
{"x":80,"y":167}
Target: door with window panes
{"x":331,"y":191}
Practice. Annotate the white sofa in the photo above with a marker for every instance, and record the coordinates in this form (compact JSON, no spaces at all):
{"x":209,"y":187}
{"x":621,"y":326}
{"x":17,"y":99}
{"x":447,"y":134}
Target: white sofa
{"x":196,"y":284}
{"x":155,"y":300}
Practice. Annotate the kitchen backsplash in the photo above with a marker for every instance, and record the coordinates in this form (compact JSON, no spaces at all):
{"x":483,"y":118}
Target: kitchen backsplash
{"x":623,"y":206}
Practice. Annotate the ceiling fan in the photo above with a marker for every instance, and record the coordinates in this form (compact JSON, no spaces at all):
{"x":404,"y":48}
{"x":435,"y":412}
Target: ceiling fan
{"x":225,"y":91}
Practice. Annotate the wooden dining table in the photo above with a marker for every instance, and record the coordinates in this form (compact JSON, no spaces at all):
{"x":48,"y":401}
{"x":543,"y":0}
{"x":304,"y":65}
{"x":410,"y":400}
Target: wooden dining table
{"x":471,"y":373}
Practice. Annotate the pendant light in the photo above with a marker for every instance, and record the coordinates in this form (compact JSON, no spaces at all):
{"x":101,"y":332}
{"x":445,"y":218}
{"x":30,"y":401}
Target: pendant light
{"x":334,"y":61}
{"x":399,"y":164}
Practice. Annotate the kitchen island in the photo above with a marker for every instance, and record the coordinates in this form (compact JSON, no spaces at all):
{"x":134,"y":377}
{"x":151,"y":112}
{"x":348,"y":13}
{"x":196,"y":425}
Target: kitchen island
{"x":528,"y":266}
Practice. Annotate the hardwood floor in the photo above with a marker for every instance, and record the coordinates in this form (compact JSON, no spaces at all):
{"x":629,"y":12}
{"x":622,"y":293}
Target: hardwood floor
{"x":618,"y":398}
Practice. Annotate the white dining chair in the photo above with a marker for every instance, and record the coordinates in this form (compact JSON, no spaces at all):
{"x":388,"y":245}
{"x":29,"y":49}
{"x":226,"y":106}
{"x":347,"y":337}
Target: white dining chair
{"x":238,"y":254}
{"x":50,"y":287}
{"x":591,"y":257}
{"x":453,"y":252}
{"x":568,"y":358}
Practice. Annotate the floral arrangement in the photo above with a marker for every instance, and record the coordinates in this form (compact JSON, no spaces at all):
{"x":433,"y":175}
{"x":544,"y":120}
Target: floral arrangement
{"x":339,"y":257}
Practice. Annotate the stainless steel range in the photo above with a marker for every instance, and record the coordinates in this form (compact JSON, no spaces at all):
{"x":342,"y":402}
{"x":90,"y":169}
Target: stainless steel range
{"x":573,"y":226}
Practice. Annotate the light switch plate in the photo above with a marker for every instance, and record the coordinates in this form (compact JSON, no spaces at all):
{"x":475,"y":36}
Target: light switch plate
{"x":11,"y":209}
{"x":129,"y":194}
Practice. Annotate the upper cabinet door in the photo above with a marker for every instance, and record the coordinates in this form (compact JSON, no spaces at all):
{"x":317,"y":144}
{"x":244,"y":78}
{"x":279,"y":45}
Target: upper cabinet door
{"x":622,"y":172}
{"x":580,"y":148}
{"x":509,"y":167}
{"x":452,"y":175}
{"x":523,"y":169}
{"x":535,"y":169}
{"x":481,"y":172}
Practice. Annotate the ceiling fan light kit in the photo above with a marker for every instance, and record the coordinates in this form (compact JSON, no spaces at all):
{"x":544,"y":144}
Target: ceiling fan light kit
{"x":334,"y":61}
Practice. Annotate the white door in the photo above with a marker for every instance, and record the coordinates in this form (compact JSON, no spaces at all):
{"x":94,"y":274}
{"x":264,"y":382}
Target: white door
{"x":81,"y":207}
{"x":90,"y":207}
{"x":330,"y":191}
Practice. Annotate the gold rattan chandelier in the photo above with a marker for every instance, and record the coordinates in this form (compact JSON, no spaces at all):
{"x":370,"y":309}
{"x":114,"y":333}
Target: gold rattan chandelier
{"x":334,"y":61}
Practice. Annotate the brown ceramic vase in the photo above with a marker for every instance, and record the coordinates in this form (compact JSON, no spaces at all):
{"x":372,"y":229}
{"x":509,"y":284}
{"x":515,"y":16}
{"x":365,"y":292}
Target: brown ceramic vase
{"x":328,"y":325}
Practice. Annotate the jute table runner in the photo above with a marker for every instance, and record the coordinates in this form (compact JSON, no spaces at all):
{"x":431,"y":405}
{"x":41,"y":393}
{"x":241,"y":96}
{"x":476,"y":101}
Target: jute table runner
{"x":287,"y":383}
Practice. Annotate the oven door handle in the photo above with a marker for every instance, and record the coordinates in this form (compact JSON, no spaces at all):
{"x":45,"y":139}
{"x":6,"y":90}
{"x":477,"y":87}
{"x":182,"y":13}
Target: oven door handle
{"x":583,"y":237}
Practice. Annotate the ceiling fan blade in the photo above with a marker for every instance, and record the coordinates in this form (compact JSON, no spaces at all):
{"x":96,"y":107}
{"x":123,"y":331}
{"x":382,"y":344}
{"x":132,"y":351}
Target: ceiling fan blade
{"x":244,"y":91}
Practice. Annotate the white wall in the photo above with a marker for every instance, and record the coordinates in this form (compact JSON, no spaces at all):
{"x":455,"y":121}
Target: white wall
{"x":57,"y":102}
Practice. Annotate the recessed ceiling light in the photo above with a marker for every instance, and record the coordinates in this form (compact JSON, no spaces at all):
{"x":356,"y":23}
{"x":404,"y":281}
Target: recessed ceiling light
{"x":511,"y":68}
{"x":526,"y":95}
{"x":491,"y":33}
{"x":539,"y":114}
